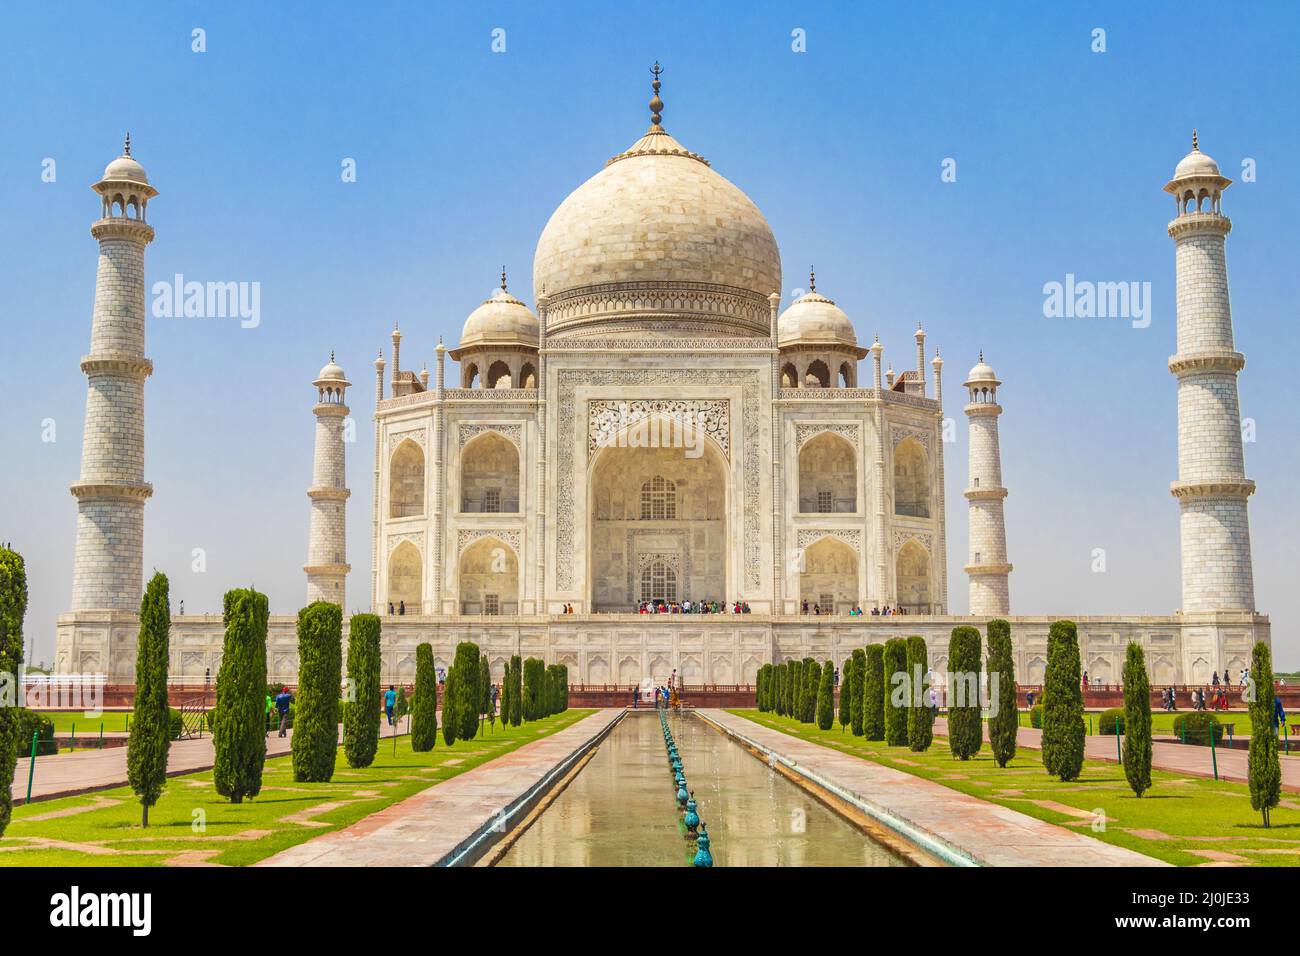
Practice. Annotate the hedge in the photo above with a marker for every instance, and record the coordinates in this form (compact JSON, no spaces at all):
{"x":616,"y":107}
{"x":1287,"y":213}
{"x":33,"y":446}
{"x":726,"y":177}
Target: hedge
{"x":1195,"y":726}
{"x":1107,"y":721}
{"x":239,"y":728}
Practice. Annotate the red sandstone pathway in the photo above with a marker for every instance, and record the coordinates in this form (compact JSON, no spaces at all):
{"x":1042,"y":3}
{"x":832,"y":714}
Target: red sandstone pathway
{"x":427,"y":828}
{"x":1188,"y":759}
{"x":991,"y":834}
{"x":65,"y":775}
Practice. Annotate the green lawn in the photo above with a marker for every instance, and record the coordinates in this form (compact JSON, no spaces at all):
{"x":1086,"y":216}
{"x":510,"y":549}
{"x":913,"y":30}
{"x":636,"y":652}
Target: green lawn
{"x":1162,"y":723}
{"x":103,"y":829}
{"x":86,"y":726}
{"x":1180,"y":818}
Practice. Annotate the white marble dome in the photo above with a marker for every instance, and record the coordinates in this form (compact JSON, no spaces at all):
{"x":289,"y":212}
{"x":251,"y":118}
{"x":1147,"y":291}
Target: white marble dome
{"x":1196,"y":163}
{"x":982,"y":372}
{"x":125,"y":169}
{"x":500,"y":320}
{"x":331,"y":372}
{"x":657,"y":222}
{"x":814,"y":319}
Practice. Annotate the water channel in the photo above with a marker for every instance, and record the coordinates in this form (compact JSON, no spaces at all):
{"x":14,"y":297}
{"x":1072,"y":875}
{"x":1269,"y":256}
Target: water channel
{"x":620,"y":809}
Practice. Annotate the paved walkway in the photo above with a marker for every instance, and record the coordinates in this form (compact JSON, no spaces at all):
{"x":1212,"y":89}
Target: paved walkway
{"x":1187,"y":759}
{"x":433,"y":826}
{"x":69,"y":774}
{"x":990,"y":834}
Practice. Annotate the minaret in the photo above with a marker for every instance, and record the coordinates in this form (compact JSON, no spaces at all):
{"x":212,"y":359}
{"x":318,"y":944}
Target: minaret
{"x":919,"y":335}
{"x":327,"y":566}
{"x":1212,"y":486}
{"x":988,"y":568}
{"x":109,"y":563}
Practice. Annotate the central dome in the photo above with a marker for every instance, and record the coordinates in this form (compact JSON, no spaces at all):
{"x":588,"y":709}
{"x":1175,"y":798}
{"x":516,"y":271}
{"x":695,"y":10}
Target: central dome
{"x":657,"y":243}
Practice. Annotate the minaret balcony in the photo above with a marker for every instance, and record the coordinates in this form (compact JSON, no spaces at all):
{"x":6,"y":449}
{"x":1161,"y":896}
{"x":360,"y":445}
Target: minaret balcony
{"x":984,"y":494}
{"x":1206,"y":360}
{"x":1221,"y":488}
{"x":1194,"y":222}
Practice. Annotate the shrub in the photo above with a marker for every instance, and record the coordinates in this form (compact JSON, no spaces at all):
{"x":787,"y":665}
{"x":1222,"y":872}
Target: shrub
{"x":239,"y":731}
{"x":403,"y":705}
{"x":27,"y":722}
{"x":1063,"y":727}
{"x":424,"y":703}
{"x":13,"y":608}
{"x":873,"y":693}
{"x":1004,"y":722}
{"x":460,"y":703}
{"x":895,"y":672}
{"x":1137,"y":720}
{"x":826,"y":697}
{"x":1264,"y":773}
{"x":150,"y":737}
{"x":846,"y":696}
{"x":320,"y":653}
{"x":1107,"y":720}
{"x":1195,"y":727}
{"x":1036,"y":716}
{"x":516,"y":691}
{"x":852,"y":685}
{"x":920,"y":716}
{"x":965,"y":724}
{"x":361,"y":713}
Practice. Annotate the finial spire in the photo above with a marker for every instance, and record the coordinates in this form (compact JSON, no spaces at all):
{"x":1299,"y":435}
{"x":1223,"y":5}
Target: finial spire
{"x":126,"y":147}
{"x":812,"y":279}
{"x":981,"y":355}
{"x":331,"y":355}
{"x":503,"y":278}
{"x":656,"y":104}
{"x":1195,"y":146}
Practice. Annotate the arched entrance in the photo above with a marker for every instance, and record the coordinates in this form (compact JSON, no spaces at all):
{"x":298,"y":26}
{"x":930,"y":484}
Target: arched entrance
{"x":912,"y":568}
{"x":405,"y":578}
{"x":489,"y":578}
{"x":829,"y":580}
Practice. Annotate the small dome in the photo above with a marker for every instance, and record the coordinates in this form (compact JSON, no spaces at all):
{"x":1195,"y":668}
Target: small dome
{"x":1196,"y":163}
{"x":331,"y":372}
{"x":125,"y":169}
{"x":500,"y":320}
{"x":982,"y":372}
{"x":815,"y":319}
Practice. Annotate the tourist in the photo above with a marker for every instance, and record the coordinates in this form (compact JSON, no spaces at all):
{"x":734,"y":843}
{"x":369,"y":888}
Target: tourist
{"x":496,"y":694}
{"x":1216,"y":679}
{"x":1029,"y":699}
{"x":401,"y":606}
{"x":1085,"y":682}
{"x":805,"y":606}
{"x":1279,"y":715}
{"x":270,"y":706}
{"x":390,"y":702}
{"x":390,"y":608}
{"x":282,"y":702}
{"x":875,"y":612}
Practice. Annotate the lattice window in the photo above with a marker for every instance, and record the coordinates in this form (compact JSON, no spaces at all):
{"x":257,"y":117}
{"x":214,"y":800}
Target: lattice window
{"x":492,"y":604}
{"x":826,"y":602}
{"x":658,"y":582}
{"x":824,"y":503}
{"x":492,"y":501}
{"x":658,"y":499}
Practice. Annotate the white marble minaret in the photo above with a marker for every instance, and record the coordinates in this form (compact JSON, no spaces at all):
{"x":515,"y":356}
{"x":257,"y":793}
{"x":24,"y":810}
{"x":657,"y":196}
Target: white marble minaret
{"x":1212,"y":486}
{"x":111,"y":492}
{"x":988,"y":568}
{"x":327,"y":566}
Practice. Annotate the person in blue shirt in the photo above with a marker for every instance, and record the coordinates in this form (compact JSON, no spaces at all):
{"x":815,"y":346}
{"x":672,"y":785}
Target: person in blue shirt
{"x":390,"y":701}
{"x":282,"y":701}
{"x":1279,"y":715}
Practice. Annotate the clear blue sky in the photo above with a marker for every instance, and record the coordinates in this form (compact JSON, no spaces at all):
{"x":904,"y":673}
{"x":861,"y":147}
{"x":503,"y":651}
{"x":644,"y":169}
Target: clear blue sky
{"x":462,"y":154}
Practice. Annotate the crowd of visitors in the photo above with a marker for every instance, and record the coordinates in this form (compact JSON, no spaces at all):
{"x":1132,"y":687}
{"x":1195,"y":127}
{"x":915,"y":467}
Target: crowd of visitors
{"x":692,"y":607}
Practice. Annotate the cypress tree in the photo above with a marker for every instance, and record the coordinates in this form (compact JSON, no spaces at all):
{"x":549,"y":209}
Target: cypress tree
{"x":854,"y":688}
{"x":516,"y":691}
{"x":13,"y":608}
{"x":895,"y":692}
{"x":316,"y":711}
{"x":424,"y":702}
{"x":450,"y":719}
{"x":812,"y":675}
{"x":920,"y":715}
{"x":1063,"y":727}
{"x":965,"y":726}
{"x":826,"y":697}
{"x":846,"y":696}
{"x":759,"y":700}
{"x":796,"y":674}
{"x":533,"y":677}
{"x":1004,"y":722}
{"x":506,"y":683}
{"x":778,"y":689}
{"x":238,"y":725}
{"x":563,"y":672}
{"x":1137,"y":720}
{"x":1264,"y":773}
{"x":484,"y":685}
{"x":146,"y":755}
{"x":462,"y":698}
{"x":361,"y":712}
{"x":873,"y":693}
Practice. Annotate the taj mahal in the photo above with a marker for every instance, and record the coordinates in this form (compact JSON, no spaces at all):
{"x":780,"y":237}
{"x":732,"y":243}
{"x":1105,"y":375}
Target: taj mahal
{"x":654,"y":430}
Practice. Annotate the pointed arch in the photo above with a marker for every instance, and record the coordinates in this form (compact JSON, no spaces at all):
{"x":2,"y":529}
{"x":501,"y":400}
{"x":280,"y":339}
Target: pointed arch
{"x":528,"y":376}
{"x":829,"y":576}
{"x":489,"y":578}
{"x":489,"y":475}
{"x":911,"y":479}
{"x":406,"y":481}
{"x":913,"y":579}
{"x":789,"y":376}
{"x":828,"y":475}
{"x":498,"y":375}
{"x":819,"y":376}
{"x":406,"y":578}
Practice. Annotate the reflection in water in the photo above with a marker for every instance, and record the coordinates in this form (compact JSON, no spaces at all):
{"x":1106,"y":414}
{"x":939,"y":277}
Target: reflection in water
{"x":620,"y":809}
